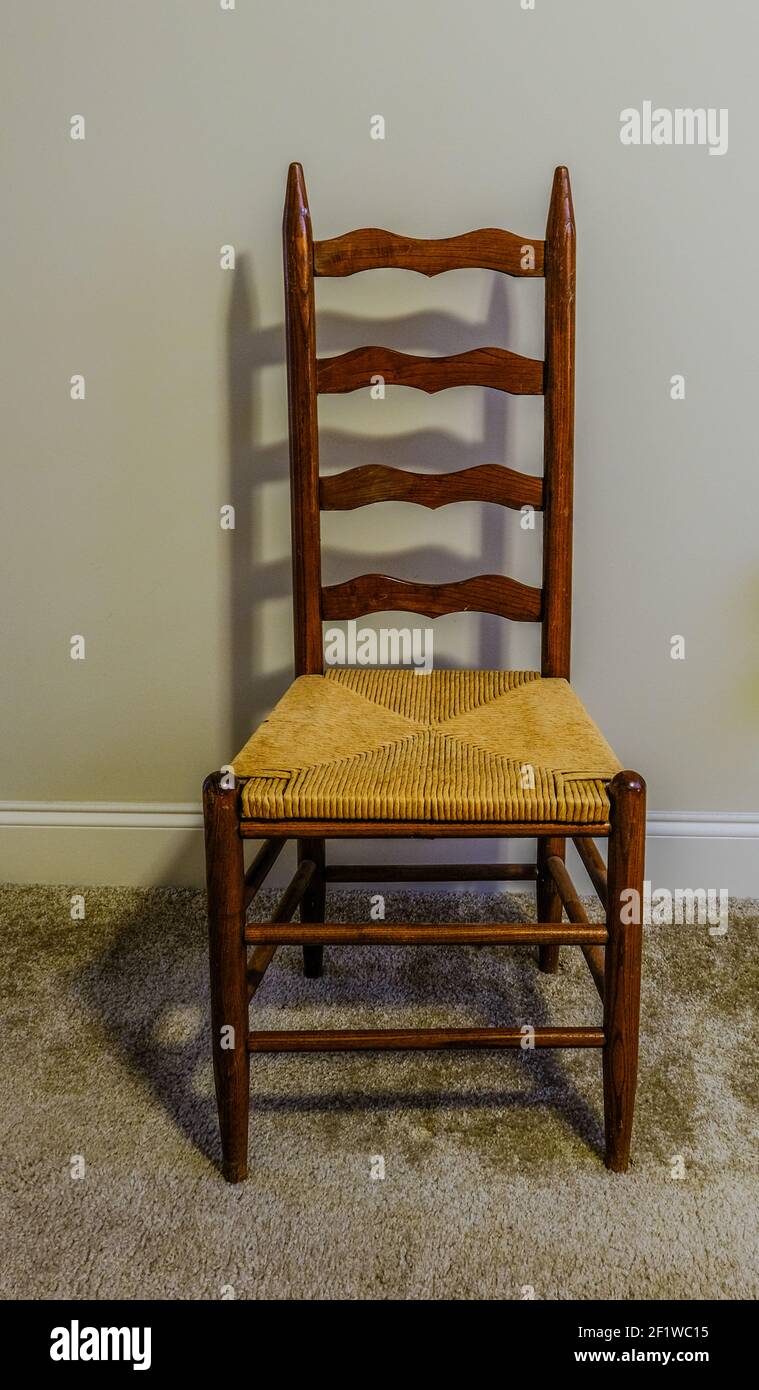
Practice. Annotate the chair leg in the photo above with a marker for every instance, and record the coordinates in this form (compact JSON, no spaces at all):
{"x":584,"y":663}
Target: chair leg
{"x":627,"y":848}
{"x":549,"y":902}
{"x":312,"y":907}
{"x":225,"y":875}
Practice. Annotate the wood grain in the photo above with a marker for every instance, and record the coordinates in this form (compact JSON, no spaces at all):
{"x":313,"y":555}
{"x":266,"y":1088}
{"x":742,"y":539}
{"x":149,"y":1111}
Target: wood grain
{"x":258,"y":964}
{"x":312,"y":906}
{"x":300,"y":334}
{"x":288,"y":905}
{"x":294,"y":893}
{"x":415,"y":1039}
{"x":417,"y":830}
{"x":483,"y":593}
{"x":548,"y":900}
{"x":225,"y":877}
{"x":627,"y":847}
{"x":567,"y":892}
{"x":594,"y":865}
{"x":558,"y":429}
{"x":266,"y":857}
{"x":487,"y":366}
{"x":419,"y":933}
{"x":428,"y":873}
{"x":575,"y":911}
{"x":372,"y":248}
{"x":486,"y":482}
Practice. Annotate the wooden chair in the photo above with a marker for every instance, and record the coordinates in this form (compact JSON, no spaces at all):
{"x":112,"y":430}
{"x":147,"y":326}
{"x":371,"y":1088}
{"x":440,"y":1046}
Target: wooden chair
{"x":389,"y":753}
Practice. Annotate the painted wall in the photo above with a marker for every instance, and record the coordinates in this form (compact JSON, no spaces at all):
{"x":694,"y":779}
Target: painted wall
{"x":111,"y":268}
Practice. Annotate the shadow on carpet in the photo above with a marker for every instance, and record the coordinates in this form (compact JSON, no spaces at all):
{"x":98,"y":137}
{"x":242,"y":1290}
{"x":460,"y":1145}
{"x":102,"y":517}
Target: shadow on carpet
{"x":373,"y":1175}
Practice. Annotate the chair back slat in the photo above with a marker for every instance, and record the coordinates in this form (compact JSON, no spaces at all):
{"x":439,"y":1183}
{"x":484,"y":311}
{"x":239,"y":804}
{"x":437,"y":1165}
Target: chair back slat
{"x":495,"y":367}
{"x":483,"y":593}
{"x":376,"y":482}
{"x":372,"y":248}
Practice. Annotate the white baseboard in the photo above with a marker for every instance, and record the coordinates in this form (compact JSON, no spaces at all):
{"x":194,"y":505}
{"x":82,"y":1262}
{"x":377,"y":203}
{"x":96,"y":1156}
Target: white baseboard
{"x":711,"y":825}
{"x":187,"y":815}
{"x":100,"y":815}
{"x":150,"y":844}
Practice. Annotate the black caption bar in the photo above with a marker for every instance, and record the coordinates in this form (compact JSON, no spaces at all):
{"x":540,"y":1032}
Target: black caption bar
{"x":87,"y":1339}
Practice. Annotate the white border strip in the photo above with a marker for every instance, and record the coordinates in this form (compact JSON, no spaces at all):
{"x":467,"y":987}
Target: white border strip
{"x":104,"y":815}
{"x":707,"y":825}
{"x":188,"y":815}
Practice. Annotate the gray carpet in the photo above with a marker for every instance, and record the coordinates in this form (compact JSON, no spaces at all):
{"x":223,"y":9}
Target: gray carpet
{"x":494,"y":1185}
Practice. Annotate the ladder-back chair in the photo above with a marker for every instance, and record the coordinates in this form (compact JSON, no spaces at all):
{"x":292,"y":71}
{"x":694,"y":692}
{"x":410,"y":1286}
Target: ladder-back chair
{"x":450,"y":753}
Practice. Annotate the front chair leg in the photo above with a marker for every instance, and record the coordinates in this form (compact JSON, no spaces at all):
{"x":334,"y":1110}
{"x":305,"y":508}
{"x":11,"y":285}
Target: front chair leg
{"x":627,"y":848}
{"x":312,"y":906}
{"x":225,"y":875}
{"x":549,"y":902}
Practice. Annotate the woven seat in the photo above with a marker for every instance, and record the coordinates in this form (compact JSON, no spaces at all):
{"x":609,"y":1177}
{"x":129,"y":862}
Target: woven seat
{"x":481,"y":746}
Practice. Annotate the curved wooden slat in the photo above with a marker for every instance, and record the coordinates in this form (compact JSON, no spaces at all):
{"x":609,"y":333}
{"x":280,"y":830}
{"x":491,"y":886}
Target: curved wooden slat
{"x":487,"y":482}
{"x":372,"y":248}
{"x":489,"y":366}
{"x":484,"y":593}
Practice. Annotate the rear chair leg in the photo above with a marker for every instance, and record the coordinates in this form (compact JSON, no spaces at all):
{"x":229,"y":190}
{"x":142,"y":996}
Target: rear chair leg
{"x":549,"y":902}
{"x":225,"y":875}
{"x":627,"y":848}
{"x":312,"y":906}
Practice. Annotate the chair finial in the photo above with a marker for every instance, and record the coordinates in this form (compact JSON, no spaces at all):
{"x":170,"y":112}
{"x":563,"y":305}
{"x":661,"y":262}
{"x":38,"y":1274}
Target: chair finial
{"x":560,"y":211}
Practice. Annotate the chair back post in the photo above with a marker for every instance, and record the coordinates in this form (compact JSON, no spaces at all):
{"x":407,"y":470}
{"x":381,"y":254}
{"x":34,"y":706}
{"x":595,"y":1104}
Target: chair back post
{"x":300,"y":324}
{"x":558,"y":436}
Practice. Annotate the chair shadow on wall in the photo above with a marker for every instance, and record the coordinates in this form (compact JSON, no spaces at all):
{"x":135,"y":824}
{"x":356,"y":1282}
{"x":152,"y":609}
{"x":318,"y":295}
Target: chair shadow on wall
{"x":253,"y":466}
{"x":162,"y":1033}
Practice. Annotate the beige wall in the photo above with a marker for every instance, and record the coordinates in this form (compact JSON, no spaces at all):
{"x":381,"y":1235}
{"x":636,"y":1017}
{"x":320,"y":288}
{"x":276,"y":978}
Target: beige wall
{"x":111,"y":268}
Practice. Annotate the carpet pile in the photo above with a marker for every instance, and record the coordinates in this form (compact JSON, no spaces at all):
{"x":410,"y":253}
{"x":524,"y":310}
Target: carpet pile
{"x":373,"y":1175}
